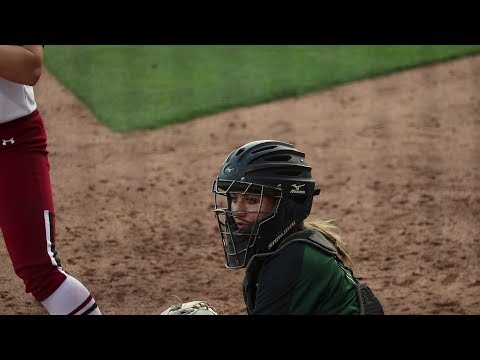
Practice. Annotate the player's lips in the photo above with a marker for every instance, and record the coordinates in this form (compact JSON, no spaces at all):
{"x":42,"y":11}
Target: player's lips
{"x":242,"y":224}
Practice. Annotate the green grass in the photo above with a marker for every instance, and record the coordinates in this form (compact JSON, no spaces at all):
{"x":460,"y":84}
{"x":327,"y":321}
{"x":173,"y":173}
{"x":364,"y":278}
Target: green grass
{"x":144,"y":87}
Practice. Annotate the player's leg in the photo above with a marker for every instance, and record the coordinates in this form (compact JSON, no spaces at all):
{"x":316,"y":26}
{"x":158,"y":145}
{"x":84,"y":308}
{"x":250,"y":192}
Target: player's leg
{"x":28,"y":223}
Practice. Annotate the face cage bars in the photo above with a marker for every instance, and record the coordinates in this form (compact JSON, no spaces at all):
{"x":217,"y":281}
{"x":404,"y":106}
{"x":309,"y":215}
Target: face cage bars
{"x":225,"y":227}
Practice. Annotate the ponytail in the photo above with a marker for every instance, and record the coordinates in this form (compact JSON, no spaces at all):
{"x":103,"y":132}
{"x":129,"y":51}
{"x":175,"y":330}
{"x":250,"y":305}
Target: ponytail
{"x":328,"y":230}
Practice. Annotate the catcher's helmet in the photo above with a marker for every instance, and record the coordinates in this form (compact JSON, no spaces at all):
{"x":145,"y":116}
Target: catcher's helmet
{"x":264,"y":167}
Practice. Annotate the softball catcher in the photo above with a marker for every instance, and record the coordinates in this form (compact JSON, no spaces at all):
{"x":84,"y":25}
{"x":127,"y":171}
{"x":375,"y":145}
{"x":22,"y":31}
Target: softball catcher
{"x":263,"y":196}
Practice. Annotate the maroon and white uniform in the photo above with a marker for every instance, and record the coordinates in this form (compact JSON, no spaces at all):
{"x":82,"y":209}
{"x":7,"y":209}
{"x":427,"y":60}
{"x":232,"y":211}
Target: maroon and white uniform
{"x":26,"y":207}
{"x":27,"y":217}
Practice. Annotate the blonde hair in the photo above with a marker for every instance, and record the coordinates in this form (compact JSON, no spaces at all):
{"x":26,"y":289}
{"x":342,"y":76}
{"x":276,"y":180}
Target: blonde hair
{"x":328,"y":229}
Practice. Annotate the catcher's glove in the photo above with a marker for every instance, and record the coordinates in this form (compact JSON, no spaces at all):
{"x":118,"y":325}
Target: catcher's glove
{"x":191,"y":308}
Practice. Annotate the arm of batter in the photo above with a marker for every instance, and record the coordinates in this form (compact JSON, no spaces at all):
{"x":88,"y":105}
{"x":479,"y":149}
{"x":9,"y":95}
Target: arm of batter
{"x":21,"y":64}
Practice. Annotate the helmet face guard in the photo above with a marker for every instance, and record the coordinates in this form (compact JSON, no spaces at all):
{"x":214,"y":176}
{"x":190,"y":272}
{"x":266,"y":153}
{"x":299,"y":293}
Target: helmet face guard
{"x":263,"y":168}
{"x":237,"y":243}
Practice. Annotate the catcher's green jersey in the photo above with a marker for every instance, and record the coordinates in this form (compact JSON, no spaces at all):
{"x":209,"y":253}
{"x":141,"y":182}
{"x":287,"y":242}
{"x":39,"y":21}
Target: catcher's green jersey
{"x":300,"y":278}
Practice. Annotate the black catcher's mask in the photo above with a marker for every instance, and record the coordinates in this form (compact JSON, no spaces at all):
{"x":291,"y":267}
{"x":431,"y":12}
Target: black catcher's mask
{"x":265,"y":168}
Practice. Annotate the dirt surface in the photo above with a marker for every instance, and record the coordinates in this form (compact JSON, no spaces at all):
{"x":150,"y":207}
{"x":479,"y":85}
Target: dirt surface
{"x":397,"y":159}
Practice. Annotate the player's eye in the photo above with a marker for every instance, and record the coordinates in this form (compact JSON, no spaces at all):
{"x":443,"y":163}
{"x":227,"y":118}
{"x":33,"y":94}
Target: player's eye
{"x":253,"y":200}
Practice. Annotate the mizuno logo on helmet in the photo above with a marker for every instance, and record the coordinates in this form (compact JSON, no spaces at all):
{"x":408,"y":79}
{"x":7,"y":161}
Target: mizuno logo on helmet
{"x":230,"y":169}
{"x":296,"y":189}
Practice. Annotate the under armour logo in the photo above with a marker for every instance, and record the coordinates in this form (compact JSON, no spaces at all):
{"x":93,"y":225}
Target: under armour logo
{"x":5,"y":141}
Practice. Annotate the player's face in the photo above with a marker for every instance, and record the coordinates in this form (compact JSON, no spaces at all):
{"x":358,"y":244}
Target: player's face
{"x":249,"y":208}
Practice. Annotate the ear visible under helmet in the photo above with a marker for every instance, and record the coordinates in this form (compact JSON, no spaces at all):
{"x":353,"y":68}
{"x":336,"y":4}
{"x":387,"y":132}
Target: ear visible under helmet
{"x":266,"y":168}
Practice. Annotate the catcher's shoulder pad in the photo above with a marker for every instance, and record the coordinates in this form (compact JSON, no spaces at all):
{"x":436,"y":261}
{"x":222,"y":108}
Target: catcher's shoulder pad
{"x":197,"y":307}
{"x":314,"y":238}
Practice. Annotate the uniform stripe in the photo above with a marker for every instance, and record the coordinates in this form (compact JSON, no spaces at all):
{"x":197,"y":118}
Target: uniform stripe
{"x":90,"y":309}
{"x":85,"y":307}
{"x":49,"y":236}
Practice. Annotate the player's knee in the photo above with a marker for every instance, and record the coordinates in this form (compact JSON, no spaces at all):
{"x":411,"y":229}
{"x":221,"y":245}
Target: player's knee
{"x":41,"y":280}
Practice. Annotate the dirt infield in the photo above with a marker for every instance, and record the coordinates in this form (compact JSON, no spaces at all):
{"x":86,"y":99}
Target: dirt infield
{"x":397,"y":159}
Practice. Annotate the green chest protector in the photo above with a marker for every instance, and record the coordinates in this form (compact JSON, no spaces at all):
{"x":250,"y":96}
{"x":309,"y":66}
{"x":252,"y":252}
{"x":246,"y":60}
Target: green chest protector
{"x":369,"y":304}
